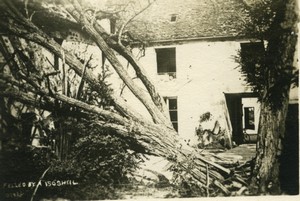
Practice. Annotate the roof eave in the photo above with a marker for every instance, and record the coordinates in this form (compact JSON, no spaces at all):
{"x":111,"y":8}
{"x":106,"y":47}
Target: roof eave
{"x":176,"y":41}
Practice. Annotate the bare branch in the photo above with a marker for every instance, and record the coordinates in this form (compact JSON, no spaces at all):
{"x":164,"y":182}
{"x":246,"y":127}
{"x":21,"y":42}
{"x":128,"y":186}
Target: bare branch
{"x":52,"y":73}
{"x":157,"y":116}
{"x":80,"y":85}
{"x":130,"y":19}
{"x":39,"y":183}
{"x":140,"y":72}
{"x":72,"y":61}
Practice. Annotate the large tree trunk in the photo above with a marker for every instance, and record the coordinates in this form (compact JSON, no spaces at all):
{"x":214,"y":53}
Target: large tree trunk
{"x":34,"y":34}
{"x":271,"y":132}
{"x":150,"y":140}
{"x":269,"y":148}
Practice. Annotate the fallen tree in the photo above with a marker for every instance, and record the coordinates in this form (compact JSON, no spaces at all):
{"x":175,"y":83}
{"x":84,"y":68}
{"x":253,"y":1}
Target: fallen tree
{"x":28,"y":82}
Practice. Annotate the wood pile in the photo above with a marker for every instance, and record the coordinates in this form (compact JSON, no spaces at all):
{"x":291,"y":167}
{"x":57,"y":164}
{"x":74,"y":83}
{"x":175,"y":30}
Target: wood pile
{"x":219,"y":176}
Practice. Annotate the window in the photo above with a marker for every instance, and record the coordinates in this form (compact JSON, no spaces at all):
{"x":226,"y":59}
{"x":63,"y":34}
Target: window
{"x":173,"y":18}
{"x":249,"y":118}
{"x":166,"y":61}
{"x":251,"y":54}
{"x":253,"y":49}
{"x":172,"y":105}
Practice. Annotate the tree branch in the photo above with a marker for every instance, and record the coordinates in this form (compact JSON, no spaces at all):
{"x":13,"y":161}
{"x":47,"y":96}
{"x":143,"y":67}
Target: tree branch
{"x":80,"y":85}
{"x":157,"y":116}
{"x":129,"y":128}
{"x":130,"y":19}
{"x":137,"y":66}
{"x":38,"y":184}
{"x":39,"y":37}
{"x":71,"y":60}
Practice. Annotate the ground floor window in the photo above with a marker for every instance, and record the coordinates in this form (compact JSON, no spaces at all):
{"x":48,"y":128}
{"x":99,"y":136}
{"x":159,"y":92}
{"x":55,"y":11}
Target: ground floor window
{"x":173,"y":110}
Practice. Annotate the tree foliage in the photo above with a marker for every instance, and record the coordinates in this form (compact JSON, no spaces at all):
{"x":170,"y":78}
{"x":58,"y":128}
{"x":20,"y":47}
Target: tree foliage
{"x":262,"y":66}
{"x":274,"y":24}
{"x":75,"y":95}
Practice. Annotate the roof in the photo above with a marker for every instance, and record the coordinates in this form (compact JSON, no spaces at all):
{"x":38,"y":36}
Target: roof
{"x":194,"y":19}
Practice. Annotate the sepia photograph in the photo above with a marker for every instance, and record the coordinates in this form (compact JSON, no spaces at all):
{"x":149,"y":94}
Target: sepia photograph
{"x":149,"y":99}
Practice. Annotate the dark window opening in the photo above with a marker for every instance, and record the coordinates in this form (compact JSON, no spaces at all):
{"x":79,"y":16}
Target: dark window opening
{"x":252,"y":51}
{"x":173,"y":18}
{"x":172,"y":106}
{"x":166,"y":61}
{"x":112,"y":26}
{"x":252,"y":56}
{"x":249,"y":118}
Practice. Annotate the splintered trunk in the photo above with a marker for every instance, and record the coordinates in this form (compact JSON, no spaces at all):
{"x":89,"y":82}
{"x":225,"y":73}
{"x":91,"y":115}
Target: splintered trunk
{"x":269,"y":149}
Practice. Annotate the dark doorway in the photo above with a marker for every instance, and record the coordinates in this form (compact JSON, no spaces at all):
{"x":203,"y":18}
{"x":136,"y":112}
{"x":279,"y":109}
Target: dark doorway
{"x":234,"y":103}
{"x":236,"y":112}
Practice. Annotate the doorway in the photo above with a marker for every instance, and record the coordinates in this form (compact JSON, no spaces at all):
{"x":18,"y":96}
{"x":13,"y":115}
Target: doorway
{"x":244,"y":111}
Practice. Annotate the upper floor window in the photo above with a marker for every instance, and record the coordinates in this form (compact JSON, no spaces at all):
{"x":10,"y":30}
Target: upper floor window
{"x":173,"y":18}
{"x":251,"y":54}
{"x":166,"y":61}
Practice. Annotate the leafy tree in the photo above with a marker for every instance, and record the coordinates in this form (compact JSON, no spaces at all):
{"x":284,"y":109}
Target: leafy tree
{"x":272,"y":74}
{"x":31,"y":81}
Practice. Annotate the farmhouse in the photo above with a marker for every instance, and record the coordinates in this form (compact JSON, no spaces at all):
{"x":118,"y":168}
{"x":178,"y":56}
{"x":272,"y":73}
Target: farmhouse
{"x":189,"y":50}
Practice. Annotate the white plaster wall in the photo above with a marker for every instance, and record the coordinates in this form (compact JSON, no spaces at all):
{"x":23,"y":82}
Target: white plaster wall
{"x":205,"y":70}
